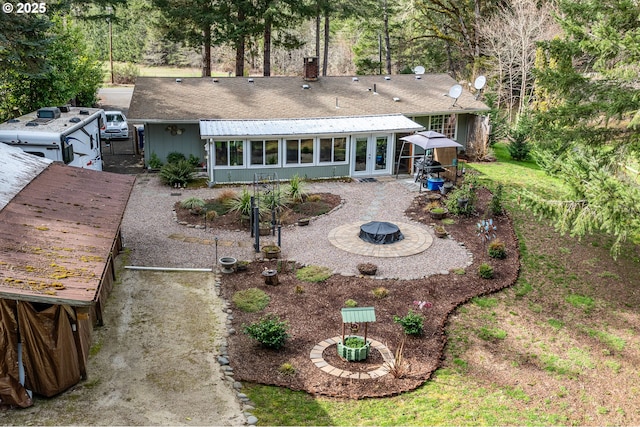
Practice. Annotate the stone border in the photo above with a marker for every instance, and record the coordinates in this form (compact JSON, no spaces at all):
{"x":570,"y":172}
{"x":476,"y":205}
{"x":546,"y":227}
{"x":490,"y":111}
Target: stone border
{"x":416,"y":240}
{"x":318,"y":360}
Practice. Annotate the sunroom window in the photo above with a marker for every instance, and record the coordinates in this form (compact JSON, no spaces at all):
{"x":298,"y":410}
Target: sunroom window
{"x":229,"y":153}
{"x":333,"y":150}
{"x":299,"y":151}
{"x":264,"y":152}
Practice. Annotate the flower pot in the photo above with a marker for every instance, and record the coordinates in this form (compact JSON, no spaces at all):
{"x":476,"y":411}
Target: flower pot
{"x":352,"y":354}
{"x":438,"y":214}
{"x":271,"y":251}
{"x":242,"y":265}
{"x":227,"y":263}
{"x":463,"y":202}
{"x":270,"y":277}
{"x":446,"y":187}
{"x":440,"y":232}
{"x":303,"y":221}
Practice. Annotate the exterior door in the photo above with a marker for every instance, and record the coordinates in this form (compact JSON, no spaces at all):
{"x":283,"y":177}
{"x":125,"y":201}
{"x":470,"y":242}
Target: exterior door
{"x":371,"y":155}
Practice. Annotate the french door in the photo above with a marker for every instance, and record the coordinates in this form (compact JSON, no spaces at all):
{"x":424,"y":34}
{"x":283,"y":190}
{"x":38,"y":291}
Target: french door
{"x":371,"y":155}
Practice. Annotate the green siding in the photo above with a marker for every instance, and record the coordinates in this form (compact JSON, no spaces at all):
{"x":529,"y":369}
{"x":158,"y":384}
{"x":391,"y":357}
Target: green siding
{"x":221,"y":176}
{"x":160,"y":141}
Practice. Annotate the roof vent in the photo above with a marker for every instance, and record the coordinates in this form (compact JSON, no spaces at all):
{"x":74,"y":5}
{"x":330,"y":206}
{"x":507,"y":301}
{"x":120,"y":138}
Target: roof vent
{"x":31,"y":124}
{"x":75,"y":120}
{"x":13,"y":121}
{"x":418,"y":77}
{"x":216,"y":80}
{"x":250,"y":80}
{"x":64,"y":108}
{"x":48,"y":113}
{"x":84,"y":112}
{"x":178,"y":80}
{"x":354,"y":79}
{"x":396,"y":99}
{"x":387,"y":77}
{"x":305,"y":86}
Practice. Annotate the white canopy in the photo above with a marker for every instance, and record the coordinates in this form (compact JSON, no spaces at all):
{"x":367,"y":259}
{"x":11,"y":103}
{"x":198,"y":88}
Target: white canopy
{"x":430,"y":139}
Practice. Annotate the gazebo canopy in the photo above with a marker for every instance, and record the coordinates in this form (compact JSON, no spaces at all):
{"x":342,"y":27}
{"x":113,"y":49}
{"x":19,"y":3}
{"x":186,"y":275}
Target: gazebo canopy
{"x":430,"y":139}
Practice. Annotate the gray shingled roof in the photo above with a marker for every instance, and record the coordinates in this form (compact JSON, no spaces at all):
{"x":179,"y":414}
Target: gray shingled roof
{"x":163,"y":99}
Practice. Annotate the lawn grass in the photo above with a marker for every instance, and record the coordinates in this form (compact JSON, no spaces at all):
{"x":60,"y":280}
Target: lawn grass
{"x":521,"y":356}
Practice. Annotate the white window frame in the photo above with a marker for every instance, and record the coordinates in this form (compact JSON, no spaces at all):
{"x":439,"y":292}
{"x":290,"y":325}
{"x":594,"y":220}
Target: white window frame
{"x":285,"y":148}
{"x":228,"y":166}
{"x":346,"y":139}
{"x":264,"y":164}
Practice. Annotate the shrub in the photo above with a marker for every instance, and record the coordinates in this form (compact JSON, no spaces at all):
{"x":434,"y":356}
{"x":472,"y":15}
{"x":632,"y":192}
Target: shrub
{"x":354,"y":342}
{"x":313,"y":273}
{"x":497,"y":249}
{"x":177,"y":173}
{"x":519,"y":146}
{"x":240,"y":203}
{"x":125,"y":74}
{"x":212,"y":214}
{"x":350,"y":303}
{"x":299,"y":290}
{"x":194,"y":160}
{"x":175,"y":157}
{"x":192,"y":202}
{"x":495,"y":205}
{"x":412,"y":323}
{"x":269,"y":331}
{"x":380,"y":292}
{"x":226,"y":196}
{"x":272,"y":200}
{"x":467,"y":190}
{"x":296,"y":190}
{"x":251,"y":300}
{"x":314,"y":198}
{"x":154,"y":161}
{"x":287,"y":369}
{"x":485,"y":271}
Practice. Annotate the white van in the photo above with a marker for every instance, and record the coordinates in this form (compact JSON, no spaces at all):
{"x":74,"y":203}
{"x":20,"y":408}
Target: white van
{"x":70,"y":135}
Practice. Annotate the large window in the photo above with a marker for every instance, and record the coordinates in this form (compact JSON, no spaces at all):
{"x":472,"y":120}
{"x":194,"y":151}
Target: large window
{"x":229,"y":153}
{"x":333,"y":150}
{"x":264,"y":152}
{"x":299,"y":151}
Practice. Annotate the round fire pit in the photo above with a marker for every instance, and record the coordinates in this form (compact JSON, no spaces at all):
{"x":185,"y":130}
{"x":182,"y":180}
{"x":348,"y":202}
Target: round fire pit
{"x":380,"y":233}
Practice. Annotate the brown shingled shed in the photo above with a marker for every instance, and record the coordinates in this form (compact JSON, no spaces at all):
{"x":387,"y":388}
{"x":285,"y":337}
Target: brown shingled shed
{"x":60,"y":235}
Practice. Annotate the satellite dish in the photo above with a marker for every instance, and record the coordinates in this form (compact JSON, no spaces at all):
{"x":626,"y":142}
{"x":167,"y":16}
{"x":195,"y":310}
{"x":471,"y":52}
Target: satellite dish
{"x":419,"y":69}
{"x":480,"y":82}
{"x":455,"y":92}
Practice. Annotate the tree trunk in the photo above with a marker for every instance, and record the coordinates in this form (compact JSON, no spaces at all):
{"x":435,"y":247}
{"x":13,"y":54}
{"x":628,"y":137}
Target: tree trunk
{"x":267,"y":48}
{"x":206,"y":52}
{"x":318,"y":35}
{"x":325,"y":54}
{"x":387,"y":38}
{"x":240,"y":47}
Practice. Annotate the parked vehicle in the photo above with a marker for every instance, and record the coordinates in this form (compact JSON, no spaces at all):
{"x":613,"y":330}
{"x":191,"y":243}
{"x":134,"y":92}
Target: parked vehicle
{"x":66,"y":134}
{"x":116,"y":126}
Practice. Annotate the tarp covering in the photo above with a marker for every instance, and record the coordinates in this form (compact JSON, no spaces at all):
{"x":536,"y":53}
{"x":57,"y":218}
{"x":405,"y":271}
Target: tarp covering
{"x":50,"y":356}
{"x":11,"y":392}
{"x":380,"y":232}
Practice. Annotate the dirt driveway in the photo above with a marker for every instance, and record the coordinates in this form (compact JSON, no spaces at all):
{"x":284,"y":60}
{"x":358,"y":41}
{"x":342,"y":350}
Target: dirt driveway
{"x":152,"y":363}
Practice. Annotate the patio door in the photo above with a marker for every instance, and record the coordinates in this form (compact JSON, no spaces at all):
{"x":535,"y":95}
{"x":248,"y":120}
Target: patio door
{"x":371,"y":155}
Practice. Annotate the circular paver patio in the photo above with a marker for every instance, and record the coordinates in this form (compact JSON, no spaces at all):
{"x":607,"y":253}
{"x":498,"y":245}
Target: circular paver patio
{"x":318,"y":360}
{"x":416,"y":240}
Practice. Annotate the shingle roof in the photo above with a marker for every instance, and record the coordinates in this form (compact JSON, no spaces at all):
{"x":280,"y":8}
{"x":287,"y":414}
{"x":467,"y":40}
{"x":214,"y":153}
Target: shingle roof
{"x":163,"y":99}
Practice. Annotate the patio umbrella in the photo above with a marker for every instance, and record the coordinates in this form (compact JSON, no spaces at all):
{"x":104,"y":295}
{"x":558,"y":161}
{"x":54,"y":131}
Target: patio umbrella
{"x":430,"y":139}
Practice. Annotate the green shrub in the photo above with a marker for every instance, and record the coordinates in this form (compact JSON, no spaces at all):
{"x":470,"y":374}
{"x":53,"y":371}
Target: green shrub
{"x":125,"y":74}
{"x":240,"y":203}
{"x":497,"y":249}
{"x":412,"y":323}
{"x":485,"y":271}
{"x":350,"y":303}
{"x":251,"y":300}
{"x":296,"y":190}
{"x":175,"y":157}
{"x":287,"y":369}
{"x":495,"y":205}
{"x":269,"y":331}
{"x":192,"y":202}
{"x":194,"y":160}
{"x":467,"y":190}
{"x":299,"y":290}
{"x":380,"y":292}
{"x":354,"y":342}
{"x":177,"y":173}
{"x":272,"y":200}
{"x":154,"y":161}
{"x":313,"y":273}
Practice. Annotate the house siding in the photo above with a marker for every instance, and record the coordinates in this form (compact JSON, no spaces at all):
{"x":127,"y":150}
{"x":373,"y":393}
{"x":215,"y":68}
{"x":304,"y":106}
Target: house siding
{"x":160,"y":141}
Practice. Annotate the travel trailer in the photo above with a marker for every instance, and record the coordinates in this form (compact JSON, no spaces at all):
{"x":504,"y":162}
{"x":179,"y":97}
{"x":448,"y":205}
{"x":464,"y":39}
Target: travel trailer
{"x":70,"y":135}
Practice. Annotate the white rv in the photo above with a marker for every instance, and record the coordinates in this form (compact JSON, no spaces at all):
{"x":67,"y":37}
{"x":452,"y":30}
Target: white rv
{"x":66,"y":134}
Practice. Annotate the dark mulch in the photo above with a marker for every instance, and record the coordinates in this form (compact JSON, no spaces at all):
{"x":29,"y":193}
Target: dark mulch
{"x":314,"y":315}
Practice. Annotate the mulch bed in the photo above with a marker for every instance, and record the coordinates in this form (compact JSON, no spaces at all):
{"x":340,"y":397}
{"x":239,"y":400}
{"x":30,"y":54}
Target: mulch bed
{"x":314,"y":315}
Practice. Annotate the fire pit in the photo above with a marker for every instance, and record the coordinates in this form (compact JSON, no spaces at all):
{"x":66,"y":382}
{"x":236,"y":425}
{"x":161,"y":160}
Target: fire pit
{"x":380,"y":233}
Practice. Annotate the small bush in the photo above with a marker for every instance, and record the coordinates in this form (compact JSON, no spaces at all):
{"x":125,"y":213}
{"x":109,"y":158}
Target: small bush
{"x":495,"y":205}
{"x":296,"y":190}
{"x":380,"y":292}
{"x":226,"y":196}
{"x":125,"y":74}
{"x":251,"y":300}
{"x":497,"y":249}
{"x":194,"y":160}
{"x":354,"y":342}
{"x":485,"y":271}
{"x":154,"y":161}
{"x":240,"y":203}
{"x":299,"y":290}
{"x":313,"y":273}
{"x":412,"y":323}
{"x":192,"y":202}
{"x":212,"y":214}
{"x":269,"y":331}
{"x":287,"y":369}
{"x":175,"y":157}
{"x":177,"y":173}
{"x":314,"y":198}
{"x":350,"y":303}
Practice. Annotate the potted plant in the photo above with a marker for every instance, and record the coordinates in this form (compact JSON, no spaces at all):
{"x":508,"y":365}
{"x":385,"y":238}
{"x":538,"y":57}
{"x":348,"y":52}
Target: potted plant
{"x":265,"y":228}
{"x":271,"y":251}
{"x":440,"y":231}
{"x":242,"y":265}
{"x":303,"y":221}
{"x":354,"y":348}
{"x":438,"y":213}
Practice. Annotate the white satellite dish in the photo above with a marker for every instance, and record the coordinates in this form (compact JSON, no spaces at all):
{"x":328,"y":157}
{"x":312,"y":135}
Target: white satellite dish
{"x":455,"y":92}
{"x":479,"y":85}
{"x":419,"y":69}
{"x":480,"y":82}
